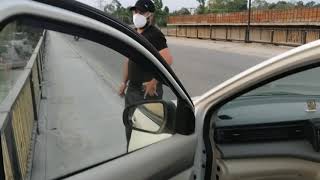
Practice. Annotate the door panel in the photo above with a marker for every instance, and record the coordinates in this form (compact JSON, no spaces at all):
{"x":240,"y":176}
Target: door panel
{"x":275,"y":168}
{"x":185,"y":175}
{"x":160,"y":161}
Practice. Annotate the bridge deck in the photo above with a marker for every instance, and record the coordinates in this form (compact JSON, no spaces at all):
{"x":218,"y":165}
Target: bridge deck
{"x":76,"y":114}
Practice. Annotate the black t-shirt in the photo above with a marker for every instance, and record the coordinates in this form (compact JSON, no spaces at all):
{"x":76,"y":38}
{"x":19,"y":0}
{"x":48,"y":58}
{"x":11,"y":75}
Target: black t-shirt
{"x":136,"y":74}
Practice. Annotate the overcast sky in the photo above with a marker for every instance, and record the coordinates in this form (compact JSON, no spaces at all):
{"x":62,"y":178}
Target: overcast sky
{"x":172,"y":4}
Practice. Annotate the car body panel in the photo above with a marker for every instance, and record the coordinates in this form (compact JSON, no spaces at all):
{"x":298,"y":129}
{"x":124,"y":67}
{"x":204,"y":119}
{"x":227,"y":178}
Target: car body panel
{"x":142,"y":139}
{"x":140,"y":164}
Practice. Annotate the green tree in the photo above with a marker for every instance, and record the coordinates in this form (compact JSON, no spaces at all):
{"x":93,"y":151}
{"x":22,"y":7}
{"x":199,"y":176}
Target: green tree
{"x":202,"y":2}
{"x":166,"y":10}
{"x":300,"y":4}
{"x":281,"y":5}
{"x":160,"y":14}
{"x":219,"y":6}
{"x":310,"y":4}
{"x":109,"y":8}
{"x":158,"y":5}
{"x":260,"y":4}
{"x":112,"y":7}
{"x":182,"y":11}
{"x":201,"y":9}
{"x":236,"y":5}
{"x":116,"y":9}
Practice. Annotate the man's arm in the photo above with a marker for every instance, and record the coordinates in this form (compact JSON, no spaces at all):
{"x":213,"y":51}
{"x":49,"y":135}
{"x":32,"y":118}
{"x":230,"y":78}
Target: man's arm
{"x":165,"y":53}
{"x":125,"y":71}
{"x":151,"y":86}
{"x":123,"y":85}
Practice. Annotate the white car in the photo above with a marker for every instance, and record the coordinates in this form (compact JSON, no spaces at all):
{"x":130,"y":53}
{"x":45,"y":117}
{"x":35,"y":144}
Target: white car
{"x":259,"y":125}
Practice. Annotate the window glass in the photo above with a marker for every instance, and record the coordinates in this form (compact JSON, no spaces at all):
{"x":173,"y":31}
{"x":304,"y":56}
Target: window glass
{"x":295,"y":97}
{"x":17,"y":43}
{"x":81,"y":112}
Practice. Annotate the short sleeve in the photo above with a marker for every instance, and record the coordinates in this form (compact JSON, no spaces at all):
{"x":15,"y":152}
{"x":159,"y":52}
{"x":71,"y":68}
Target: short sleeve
{"x":159,"y":41}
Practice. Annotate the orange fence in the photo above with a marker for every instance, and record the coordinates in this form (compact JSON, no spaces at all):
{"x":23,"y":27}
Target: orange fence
{"x":296,"y":15}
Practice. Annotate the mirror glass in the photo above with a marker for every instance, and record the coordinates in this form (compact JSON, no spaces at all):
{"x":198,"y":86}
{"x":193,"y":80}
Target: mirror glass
{"x":148,"y":117}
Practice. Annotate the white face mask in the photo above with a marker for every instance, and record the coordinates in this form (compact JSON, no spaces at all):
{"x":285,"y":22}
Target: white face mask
{"x":139,"y":20}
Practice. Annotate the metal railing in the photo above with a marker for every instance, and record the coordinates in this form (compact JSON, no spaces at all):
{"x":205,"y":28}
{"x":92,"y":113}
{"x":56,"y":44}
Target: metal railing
{"x":18,"y":118}
{"x":283,"y":16}
{"x":290,"y":36}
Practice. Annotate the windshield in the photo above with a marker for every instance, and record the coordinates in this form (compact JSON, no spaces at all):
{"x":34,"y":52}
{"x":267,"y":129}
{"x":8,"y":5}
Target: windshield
{"x":295,"y":97}
{"x":305,"y":83}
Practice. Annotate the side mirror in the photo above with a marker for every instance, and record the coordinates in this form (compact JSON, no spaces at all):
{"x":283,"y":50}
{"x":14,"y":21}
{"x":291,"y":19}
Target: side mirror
{"x":154,"y":117}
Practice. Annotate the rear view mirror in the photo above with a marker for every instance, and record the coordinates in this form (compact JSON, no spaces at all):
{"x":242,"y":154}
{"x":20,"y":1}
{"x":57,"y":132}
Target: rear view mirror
{"x":150,"y":117}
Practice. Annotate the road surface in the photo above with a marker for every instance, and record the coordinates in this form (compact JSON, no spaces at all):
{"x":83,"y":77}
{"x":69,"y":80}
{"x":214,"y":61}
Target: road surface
{"x":81,"y":117}
{"x":199,"y":64}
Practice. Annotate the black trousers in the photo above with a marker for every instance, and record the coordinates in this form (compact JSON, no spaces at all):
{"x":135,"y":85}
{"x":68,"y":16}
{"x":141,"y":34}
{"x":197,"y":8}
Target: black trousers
{"x":134,"y":95}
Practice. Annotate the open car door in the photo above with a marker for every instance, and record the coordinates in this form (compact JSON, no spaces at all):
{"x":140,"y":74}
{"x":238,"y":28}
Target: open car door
{"x":60,"y":22}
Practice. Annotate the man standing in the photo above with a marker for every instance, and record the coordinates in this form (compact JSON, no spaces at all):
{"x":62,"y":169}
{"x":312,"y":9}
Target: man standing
{"x":141,"y":84}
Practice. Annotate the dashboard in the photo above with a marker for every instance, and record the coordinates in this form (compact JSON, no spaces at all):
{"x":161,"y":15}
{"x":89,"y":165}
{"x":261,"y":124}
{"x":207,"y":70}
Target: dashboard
{"x":268,"y":127}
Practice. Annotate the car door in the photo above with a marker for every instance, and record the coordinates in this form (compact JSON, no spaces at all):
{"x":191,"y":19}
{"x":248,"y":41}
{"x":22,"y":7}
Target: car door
{"x":173,"y":156}
{"x":264,"y":122}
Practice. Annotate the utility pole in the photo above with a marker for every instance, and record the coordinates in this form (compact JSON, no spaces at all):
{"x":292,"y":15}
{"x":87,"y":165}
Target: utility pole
{"x":247,"y":37}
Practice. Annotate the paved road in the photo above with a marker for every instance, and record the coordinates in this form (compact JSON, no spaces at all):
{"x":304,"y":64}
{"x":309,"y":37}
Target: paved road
{"x":81,"y":117}
{"x":198,"y":66}
{"x":202,"y":69}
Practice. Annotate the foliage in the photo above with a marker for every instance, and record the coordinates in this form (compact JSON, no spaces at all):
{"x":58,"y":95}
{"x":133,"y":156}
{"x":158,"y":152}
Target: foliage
{"x":223,"y":6}
{"x":3,"y":49}
{"x":116,"y":9}
{"x":166,"y":10}
{"x":310,"y":4}
{"x":263,"y":4}
{"x":161,"y":14}
{"x":202,"y":7}
{"x":260,"y":4}
{"x":282,"y":5}
{"x":220,"y":6}
{"x":182,"y":11}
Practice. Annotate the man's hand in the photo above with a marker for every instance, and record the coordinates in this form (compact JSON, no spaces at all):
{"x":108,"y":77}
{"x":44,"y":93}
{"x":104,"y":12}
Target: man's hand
{"x":122,"y":89}
{"x":150,"y":88}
